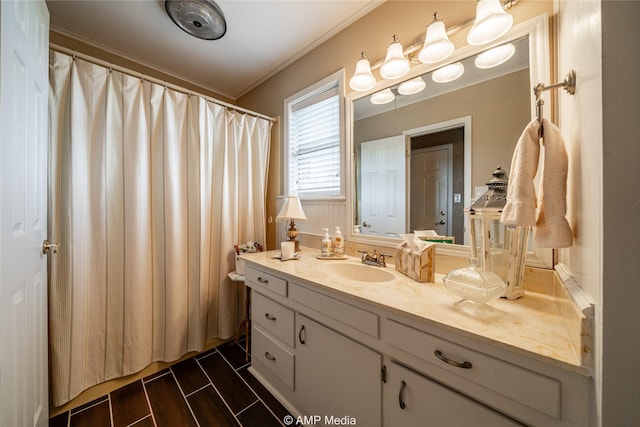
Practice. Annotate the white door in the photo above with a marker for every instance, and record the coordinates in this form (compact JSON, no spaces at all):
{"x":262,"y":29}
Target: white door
{"x":430,"y":188}
{"x":382,"y":170}
{"x":23,"y":214}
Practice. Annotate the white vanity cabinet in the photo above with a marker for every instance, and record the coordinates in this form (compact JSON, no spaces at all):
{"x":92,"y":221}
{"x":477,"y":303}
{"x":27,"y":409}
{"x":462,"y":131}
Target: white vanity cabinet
{"x":326,"y":353}
{"x":413,"y":400}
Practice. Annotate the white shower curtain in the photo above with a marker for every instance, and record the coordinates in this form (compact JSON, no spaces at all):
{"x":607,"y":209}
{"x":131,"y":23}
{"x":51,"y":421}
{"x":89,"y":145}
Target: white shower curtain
{"x":149,"y":190}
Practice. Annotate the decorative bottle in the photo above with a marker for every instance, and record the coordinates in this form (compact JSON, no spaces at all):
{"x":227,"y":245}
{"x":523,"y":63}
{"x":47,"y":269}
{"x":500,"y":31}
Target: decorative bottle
{"x":338,"y":242}
{"x":326,"y":243}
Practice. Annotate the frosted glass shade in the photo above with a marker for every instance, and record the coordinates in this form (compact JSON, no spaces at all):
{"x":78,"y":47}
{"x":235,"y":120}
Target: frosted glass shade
{"x":382,"y":97}
{"x":412,"y":86}
{"x":395,"y":64}
{"x":437,"y":46}
{"x":492,"y":22}
{"x":496,"y":56}
{"x":362,"y":79}
{"x":448,"y":73}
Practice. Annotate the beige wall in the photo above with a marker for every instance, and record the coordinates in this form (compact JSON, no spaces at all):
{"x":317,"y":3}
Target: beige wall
{"x":372,"y":33}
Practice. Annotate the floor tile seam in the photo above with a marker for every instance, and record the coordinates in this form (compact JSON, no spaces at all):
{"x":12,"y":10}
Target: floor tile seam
{"x":110,"y":408}
{"x":220,"y":394}
{"x":75,"y":411}
{"x":185,"y":398}
{"x":209,"y":353}
{"x":198,"y":390}
{"x":140,"y":419}
{"x":260,"y":399}
{"x":146,"y":395}
{"x":248,"y":406}
{"x":144,"y":381}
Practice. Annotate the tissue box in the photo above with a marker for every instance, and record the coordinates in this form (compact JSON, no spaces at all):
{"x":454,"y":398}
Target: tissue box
{"x":418,"y":264}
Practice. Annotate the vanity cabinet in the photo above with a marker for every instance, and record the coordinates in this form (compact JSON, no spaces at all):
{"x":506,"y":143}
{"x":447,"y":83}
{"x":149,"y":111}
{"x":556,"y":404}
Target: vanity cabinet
{"x":326,"y":353}
{"x":413,"y":400}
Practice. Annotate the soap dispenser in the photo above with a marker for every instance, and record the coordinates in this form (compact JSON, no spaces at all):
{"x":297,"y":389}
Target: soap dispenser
{"x":326,"y":243}
{"x":338,"y":242}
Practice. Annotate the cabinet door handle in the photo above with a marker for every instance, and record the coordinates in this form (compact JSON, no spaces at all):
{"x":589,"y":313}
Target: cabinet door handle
{"x":302,"y":340}
{"x":269,"y":316}
{"x":269,"y":356}
{"x":261,"y":280}
{"x":463,"y":365}
{"x":401,"y":395}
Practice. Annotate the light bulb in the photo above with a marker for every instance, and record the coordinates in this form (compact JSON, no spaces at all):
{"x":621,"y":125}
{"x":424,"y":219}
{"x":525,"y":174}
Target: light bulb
{"x":437,"y":46}
{"x":362,"y":79}
{"x":395,"y":64}
{"x":412,"y":86}
{"x":448,"y":73}
{"x":495,"y":56}
{"x":492,"y":22}
{"x":382,"y":97}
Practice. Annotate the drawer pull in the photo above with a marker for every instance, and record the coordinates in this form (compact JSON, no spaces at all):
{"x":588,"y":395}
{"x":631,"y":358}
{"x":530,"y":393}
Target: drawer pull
{"x":463,"y":365}
{"x":269,"y":356}
{"x":269,"y":316}
{"x":302,"y":340}
{"x":261,"y":280}
{"x":401,"y":395}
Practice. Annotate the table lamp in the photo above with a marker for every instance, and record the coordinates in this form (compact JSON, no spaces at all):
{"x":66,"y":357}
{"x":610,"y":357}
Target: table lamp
{"x":292,"y":210}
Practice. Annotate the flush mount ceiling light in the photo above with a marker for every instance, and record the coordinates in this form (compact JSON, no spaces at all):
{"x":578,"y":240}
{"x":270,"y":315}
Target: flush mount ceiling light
{"x":437,"y":46}
{"x":382,"y":97}
{"x":448,"y":73}
{"x":395,"y":64}
{"x":202,"y":19}
{"x":362,"y":79}
{"x":492,"y":21}
{"x":496,"y":56}
{"x":412,"y":86}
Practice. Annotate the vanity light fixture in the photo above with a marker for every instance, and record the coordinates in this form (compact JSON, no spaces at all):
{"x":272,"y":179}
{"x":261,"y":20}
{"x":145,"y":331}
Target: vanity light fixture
{"x":491,"y":22}
{"x":412,"y":86}
{"x":495,"y":56}
{"x":362,"y":79}
{"x":437,"y":46}
{"x":448,"y":73}
{"x":382,"y":97}
{"x":395,"y":64}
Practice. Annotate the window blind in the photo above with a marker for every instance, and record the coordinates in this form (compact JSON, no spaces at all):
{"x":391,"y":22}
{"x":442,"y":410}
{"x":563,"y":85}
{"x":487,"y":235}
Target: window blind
{"x":314,"y":145}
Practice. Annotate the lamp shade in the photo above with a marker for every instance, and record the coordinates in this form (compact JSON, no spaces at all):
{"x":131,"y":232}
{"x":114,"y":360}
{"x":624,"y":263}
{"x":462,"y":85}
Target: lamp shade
{"x":495,"y":56}
{"x":395,"y":64}
{"x":492,"y":21}
{"x":382,"y":97}
{"x":437,"y":45}
{"x":412,"y":86}
{"x":291,"y":209}
{"x":448,"y":73}
{"x":362,"y":79}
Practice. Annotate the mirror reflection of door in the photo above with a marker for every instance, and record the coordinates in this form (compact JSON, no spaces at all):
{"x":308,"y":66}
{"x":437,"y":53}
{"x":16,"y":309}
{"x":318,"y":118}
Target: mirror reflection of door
{"x":430,"y":188}
{"x":382,"y":168}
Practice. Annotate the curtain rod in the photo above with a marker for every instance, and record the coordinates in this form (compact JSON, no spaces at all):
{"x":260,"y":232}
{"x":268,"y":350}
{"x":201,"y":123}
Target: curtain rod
{"x":124,"y":70}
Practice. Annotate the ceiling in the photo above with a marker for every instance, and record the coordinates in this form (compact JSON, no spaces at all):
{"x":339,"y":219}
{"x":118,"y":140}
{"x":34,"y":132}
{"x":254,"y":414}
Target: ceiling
{"x":262,"y":36}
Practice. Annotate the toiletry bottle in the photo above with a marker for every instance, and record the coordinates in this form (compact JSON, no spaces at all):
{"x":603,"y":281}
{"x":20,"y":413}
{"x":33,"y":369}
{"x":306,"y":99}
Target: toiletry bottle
{"x":326,"y":243}
{"x":338,"y":243}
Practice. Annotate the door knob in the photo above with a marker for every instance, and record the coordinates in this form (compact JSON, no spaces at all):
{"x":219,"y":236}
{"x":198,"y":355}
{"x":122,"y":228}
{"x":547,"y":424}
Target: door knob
{"x":48,"y":247}
{"x":366,"y":224}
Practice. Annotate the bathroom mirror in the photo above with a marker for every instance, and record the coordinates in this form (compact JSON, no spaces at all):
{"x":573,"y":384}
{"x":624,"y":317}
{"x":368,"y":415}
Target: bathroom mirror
{"x":446,"y":141}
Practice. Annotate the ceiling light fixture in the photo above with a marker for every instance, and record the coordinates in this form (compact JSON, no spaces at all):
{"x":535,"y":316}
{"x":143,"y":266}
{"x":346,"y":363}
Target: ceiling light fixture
{"x":382,"y":97}
{"x":495,"y":56}
{"x":395,"y":64}
{"x":491,"y":22}
{"x":362,"y":79}
{"x":411,"y":87}
{"x":448,"y":73}
{"x":202,"y":18}
{"x":437,"y":46}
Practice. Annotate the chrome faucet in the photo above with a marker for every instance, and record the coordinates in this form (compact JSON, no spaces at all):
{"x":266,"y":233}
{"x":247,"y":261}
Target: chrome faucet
{"x":375,"y":259}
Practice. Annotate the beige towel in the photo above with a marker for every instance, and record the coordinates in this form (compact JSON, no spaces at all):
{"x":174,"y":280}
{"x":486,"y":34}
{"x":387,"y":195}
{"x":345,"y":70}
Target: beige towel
{"x":552,"y":228}
{"x":521,"y":194}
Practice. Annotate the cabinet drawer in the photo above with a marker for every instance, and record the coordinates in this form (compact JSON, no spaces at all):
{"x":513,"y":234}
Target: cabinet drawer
{"x":348,"y":314}
{"x":530,"y":388}
{"x":273,"y":356}
{"x":267,"y":281}
{"x":273,"y":318}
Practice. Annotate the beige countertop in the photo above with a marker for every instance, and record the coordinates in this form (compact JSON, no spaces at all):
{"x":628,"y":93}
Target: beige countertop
{"x":532,"y":324}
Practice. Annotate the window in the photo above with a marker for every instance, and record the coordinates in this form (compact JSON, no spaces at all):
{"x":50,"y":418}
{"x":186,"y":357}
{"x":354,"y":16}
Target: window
{"x":313,"y":140}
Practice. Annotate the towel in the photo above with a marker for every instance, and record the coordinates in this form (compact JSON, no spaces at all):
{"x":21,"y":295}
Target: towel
{"x":552,"y":228}
{"x":521,"y":194}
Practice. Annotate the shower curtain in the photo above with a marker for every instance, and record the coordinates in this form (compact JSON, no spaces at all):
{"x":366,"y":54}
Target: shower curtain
{"x":149,"y":189}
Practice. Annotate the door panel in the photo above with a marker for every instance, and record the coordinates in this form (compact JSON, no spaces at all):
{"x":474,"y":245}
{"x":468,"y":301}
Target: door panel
{"x":430,"y":205}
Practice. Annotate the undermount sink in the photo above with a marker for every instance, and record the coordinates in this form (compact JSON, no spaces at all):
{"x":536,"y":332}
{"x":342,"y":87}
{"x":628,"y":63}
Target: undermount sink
{"x":359,"y":273}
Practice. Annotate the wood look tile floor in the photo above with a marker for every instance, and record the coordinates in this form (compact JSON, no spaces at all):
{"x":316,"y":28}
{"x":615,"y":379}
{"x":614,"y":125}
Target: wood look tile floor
{"x":211,"y":389}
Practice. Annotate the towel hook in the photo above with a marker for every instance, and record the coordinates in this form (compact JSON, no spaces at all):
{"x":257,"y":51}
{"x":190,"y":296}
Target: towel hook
{"x":568,"y":84}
